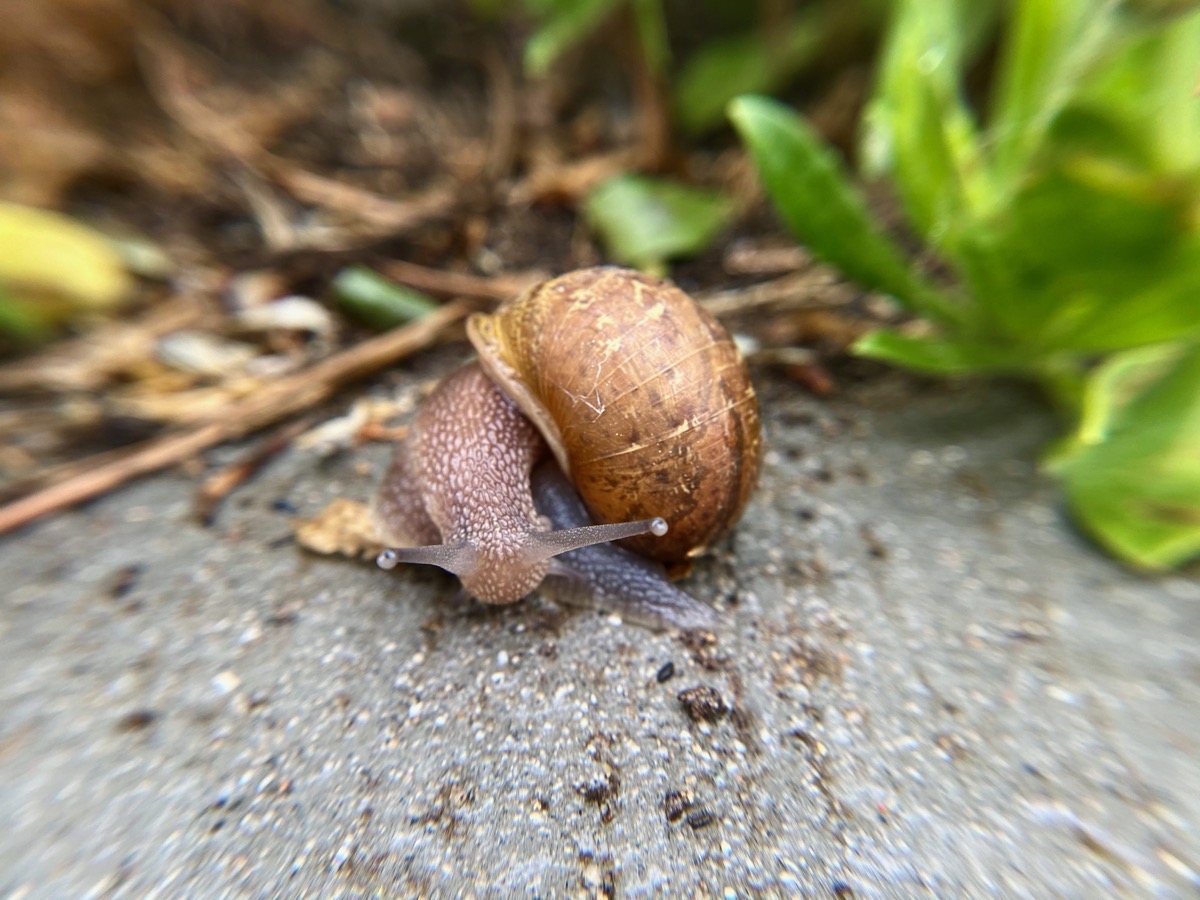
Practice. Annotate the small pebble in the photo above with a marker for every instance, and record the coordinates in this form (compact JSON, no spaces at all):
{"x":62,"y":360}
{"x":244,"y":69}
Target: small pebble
{"x":226,"y":682}
{"x":676,"y":803}
{"x":703,"y":703}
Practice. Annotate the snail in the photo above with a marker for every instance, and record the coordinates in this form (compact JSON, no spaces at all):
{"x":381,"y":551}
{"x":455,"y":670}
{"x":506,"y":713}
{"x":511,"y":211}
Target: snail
{"x":644,"y":405}
{"x":608,"y":575}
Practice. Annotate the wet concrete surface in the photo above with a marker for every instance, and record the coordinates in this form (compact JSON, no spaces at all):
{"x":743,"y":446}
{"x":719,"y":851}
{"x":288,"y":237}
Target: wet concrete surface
{"x":934,"y":686}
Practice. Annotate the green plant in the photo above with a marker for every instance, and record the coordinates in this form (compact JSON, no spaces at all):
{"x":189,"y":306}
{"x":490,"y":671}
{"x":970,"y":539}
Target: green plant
{"x":735,"y":47}
{"x":781,"y":43}
{"x":563,"y":23}
{"x":644,"y":222}
{"x":1069,"y":218}
{"x":377,"y":301}
{"x":756,"y":60}
{"x":741,"y":47}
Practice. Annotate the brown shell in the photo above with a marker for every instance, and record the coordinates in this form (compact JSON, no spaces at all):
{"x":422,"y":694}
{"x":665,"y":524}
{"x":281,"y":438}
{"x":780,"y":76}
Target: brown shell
{"x":640,"y":393}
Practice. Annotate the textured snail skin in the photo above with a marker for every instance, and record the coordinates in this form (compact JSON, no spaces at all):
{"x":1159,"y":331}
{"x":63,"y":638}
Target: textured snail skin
{"x":464,"y":478}
{"x":458,"y":495}
{"x":640,"y":393}
{"x":608,"y":576}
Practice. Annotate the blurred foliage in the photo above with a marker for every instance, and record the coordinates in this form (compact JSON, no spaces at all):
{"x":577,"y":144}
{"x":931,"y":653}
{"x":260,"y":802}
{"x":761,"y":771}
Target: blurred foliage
{"x":1132,"y":464}
{"x":378,"y":302}
{"x":728,"y":66}
{"x":53,"y":269}
{"x":1059,"y":216}
{"x":734,"y":48}
{"x":644,"y":222}
{"x":1068,"y":214}
{"x":742,"y":47}
{"x":564,"y":23}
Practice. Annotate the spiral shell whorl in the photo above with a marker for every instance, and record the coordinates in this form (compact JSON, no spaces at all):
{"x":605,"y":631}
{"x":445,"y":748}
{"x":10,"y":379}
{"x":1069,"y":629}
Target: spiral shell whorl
{"x":640,"y":393}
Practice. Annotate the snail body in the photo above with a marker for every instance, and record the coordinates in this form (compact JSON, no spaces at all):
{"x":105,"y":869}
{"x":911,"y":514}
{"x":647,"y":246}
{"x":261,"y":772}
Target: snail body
{"x":644,"y":404}
{"x":607,"y":575}
{"x":466,"y":478}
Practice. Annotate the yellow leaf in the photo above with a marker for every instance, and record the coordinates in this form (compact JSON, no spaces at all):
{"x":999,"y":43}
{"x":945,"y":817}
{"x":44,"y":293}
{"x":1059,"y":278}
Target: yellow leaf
{"x":46,"y":253}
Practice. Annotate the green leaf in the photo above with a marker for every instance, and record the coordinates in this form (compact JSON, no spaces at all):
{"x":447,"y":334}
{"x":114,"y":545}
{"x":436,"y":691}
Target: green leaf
{"x":566,"y":22}
{"x":651,"y":27}
{"x":1091,"y":255}
{"x":918,"y":129}
{"x":1148,"y":87}
{"x":718,"y":72}
{"x":934,"y":355}
{"x":1132,"y":469}
{"x":377,"y":301}
{"x":645,"y":221}
{"x":1113,"y":387}
{"x":822,"y":209}
{"x":19,"y":320}
{"x":1050,"y":47}
{"x":724,"y":68}
{"x":1163,"y":304}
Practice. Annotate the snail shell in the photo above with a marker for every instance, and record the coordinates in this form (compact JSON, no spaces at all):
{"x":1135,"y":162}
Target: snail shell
{"x":641,"y":395}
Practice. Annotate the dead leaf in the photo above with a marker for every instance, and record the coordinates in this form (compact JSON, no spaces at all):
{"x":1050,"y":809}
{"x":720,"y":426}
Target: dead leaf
{"x":366,"y":417}
{"x":344,"y":527}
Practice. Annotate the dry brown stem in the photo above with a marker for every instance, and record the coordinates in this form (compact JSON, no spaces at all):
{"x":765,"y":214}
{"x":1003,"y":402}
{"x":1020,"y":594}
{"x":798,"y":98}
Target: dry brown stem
{"x":86,"y":363}
{"x":810,"y":288}
{"x":221,"y":484}
{"x":569,"y":182}
{"x":183,"y":87}
{"x":460,"y":284}
{"x":274,"y":402}
{"x":503,"y":103}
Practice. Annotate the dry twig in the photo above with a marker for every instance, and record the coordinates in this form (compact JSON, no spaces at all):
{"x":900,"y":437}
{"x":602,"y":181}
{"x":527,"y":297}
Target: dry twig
{"x":809,"y":288}
{"x":182,"y":86}
{"x":220,"y":485}
{"x":274,"y":402}
{"x":460,"y":284}
{"x":86,"y":363}
{"x":570,"y":181}
{"x":503,"y":104}
{"x":384,"y":214}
